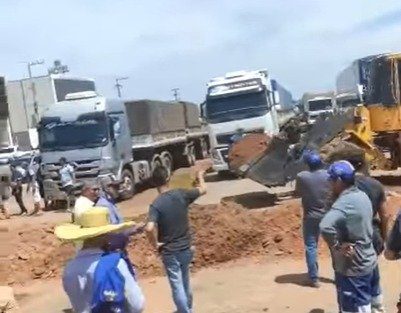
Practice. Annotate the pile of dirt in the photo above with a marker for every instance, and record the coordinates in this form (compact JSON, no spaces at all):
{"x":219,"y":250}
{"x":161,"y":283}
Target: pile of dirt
{"x":222,"y":233}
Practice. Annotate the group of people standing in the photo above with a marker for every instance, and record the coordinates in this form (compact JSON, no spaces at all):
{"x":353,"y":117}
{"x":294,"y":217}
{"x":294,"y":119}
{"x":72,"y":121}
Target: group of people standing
{"x":101,"y":277}
{"x":22,"y":174}
{"x":347,"y":207}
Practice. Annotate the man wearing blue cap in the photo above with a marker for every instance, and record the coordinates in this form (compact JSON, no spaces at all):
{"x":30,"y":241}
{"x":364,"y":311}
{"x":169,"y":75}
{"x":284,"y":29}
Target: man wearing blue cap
{"x":347,"y":229}
{"x":314,"y":188}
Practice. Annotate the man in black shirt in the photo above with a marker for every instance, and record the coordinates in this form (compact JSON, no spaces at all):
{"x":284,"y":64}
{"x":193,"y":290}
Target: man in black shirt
{"x":393,"y":246}
{"x":168,"y":217}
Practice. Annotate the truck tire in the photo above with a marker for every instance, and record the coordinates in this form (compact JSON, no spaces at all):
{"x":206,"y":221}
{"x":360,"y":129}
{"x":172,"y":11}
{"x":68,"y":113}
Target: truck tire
{"x":202,"y":151}
{"x":156,"y":162}
{"x":128,"y":185}
{"x":167,"y":161}
{"x":190,"y":156}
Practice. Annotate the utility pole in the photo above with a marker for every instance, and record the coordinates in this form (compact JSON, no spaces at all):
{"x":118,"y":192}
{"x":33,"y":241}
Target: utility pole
{"x":35,"y":117}
{"x":176,"y":94}
{"x":32,"y":63}
{"x":120,"y":86}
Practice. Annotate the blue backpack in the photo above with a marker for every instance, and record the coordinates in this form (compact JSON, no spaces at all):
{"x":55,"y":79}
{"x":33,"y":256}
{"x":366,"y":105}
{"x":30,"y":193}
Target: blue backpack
{"x":108,"y":286}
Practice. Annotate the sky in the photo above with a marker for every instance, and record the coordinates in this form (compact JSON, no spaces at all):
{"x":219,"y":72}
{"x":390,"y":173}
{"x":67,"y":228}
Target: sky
{"x":166,"y":44}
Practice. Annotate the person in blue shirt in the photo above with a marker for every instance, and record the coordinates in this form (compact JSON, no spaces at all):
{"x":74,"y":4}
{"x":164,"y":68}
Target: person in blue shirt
{"x":108,"y":197}
{"x":347,"y":228}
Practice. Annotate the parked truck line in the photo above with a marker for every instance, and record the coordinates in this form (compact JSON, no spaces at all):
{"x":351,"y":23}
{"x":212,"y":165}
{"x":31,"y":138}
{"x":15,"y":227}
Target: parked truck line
{"x":127,"y":140}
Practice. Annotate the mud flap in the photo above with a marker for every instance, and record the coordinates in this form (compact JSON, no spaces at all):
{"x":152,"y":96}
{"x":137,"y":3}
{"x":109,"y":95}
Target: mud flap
{"x":283,"y":162}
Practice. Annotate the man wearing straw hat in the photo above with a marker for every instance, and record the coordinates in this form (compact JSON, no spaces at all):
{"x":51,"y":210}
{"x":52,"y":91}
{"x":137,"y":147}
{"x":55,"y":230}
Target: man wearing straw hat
{"x":81,"y":276}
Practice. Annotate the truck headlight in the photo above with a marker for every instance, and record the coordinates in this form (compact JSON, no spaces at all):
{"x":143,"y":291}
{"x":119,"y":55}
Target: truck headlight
{"x":216,"y":156}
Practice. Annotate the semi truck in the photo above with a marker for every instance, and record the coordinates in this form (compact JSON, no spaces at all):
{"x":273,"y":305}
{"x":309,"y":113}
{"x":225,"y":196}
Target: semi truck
{"x":241,"y":102}
{"x":316,"y":104}
{"x":103,"y":137}
{"x":29,"y":98}
{"x":352,"y":82}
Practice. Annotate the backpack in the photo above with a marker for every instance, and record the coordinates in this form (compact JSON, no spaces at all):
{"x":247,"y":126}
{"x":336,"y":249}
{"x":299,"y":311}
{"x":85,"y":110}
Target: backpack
{"x":108,"y":286}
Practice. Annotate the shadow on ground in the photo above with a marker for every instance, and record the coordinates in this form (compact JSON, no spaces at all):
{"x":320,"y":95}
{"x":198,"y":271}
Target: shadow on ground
{"x":316,"y":311}
{"x":299,"y":279}
{"x":389,"y":180}
{"x":253,"y":200}
{"x":21,"y":296}
{"x":217,"y":177}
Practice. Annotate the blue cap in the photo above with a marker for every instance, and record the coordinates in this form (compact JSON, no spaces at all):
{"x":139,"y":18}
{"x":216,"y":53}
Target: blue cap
{"x":312,"y":158}
{"x":342,"y":170}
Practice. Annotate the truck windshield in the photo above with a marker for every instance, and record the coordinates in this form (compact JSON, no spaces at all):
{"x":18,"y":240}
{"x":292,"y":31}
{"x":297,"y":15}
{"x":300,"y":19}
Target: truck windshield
{"x":66,"y":86}
{"x":319,"y":105}
{"x":84,"y":133}
{"x":235,"y":107}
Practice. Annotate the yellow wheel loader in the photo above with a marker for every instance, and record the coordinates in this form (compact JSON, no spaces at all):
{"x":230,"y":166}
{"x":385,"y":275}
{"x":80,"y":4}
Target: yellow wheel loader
{"x":372,"y":127}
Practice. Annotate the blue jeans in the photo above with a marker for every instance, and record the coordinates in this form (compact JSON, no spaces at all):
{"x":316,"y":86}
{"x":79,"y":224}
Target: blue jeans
{"x":376,"y":296}
{"x":354,"y":292}
{"x":177,"y":269}
{"x":311,"y":233}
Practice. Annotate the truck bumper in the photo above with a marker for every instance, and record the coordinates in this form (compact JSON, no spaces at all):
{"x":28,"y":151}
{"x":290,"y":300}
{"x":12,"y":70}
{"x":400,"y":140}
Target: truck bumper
{"x":219,"y":157}
{"x":220,"y":167}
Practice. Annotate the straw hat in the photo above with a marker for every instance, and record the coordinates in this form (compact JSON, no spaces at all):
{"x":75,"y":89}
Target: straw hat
{"x":91,"y":223}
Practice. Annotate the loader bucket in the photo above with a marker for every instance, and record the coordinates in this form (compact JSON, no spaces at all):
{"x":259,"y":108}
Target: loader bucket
{"x":282,"y":161}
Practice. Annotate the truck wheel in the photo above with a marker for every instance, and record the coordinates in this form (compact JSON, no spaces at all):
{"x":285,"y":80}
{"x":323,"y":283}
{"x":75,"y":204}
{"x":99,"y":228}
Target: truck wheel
{"x":202,"y":151}
{"x":128,"y":185}
{"x":190,"y":156}
{"x":156,"y":162}
{"x":167,"y":161}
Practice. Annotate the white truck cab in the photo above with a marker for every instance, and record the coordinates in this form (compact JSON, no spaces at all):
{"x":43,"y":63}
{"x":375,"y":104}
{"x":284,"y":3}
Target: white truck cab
{"x":316,"y":104}
{"x":237,"y":102}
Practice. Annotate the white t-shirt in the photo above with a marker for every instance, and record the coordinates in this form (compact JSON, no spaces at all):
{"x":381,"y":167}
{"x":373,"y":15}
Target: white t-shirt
{"x":81,"y":205}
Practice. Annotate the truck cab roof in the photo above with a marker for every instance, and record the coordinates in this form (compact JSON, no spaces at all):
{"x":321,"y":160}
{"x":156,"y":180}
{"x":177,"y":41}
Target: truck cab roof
{"x":70,"y":109}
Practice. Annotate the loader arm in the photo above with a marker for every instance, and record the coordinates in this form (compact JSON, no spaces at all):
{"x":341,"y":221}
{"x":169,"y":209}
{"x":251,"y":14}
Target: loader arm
{"x":282,"y":160}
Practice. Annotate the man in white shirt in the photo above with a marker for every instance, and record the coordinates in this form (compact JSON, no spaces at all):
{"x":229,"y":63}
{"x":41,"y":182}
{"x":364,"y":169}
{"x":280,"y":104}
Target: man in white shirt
{"x":87,"y":199}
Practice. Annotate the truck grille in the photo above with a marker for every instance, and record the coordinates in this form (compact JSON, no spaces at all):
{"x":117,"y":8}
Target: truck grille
{"x":83,"y":169}
{"x":224,"y":154}
{"x":225,"y":139}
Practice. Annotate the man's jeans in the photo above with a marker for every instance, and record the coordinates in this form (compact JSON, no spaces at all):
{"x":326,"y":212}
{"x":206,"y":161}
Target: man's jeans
{"x":374,"y":289}
{"x":177,"y":269}
{"x":311,"y":237}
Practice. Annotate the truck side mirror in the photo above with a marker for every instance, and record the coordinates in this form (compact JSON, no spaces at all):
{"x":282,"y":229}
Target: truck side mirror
{"x":111,"y":130}
{"x":202,"y":117}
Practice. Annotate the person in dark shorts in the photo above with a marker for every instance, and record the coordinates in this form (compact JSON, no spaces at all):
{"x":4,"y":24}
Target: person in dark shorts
{"x":67,"y":176}
{"x":18,"y":178}
{"x":393,"y":246}
{"x":168,"y":214}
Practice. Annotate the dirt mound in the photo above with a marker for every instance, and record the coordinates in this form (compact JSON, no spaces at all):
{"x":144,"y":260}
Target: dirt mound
{"x":222,"y":233}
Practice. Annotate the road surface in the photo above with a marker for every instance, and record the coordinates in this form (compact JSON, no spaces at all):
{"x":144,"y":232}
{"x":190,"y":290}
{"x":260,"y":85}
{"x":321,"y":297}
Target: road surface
{"x":247,"y":286}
